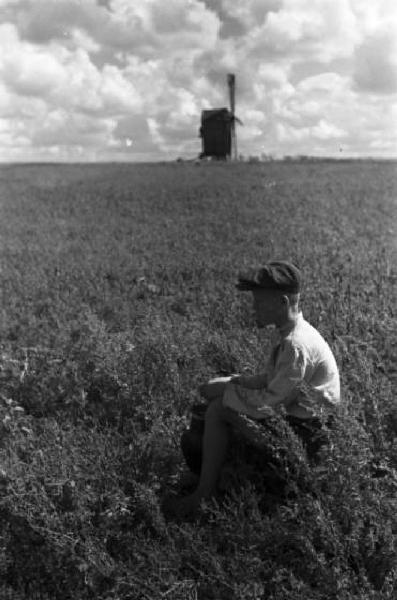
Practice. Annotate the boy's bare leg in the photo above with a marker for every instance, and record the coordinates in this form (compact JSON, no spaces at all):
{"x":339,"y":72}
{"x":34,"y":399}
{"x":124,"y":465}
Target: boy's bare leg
{"x":215,"y":444}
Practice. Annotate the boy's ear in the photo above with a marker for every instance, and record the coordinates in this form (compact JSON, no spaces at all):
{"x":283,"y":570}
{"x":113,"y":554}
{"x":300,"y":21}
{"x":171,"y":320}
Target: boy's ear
{"x":285,"y":300}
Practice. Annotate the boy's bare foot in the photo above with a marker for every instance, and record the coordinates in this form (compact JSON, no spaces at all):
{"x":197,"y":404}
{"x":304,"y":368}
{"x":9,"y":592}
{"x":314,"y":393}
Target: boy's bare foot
{"x":182,"y":508}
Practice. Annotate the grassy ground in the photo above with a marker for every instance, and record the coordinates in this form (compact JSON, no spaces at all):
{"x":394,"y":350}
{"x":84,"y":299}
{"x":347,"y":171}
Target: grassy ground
{"x":117,"y":299}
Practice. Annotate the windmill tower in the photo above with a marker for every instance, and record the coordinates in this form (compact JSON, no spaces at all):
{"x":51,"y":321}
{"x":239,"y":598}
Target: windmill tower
{"x":218,"y":128}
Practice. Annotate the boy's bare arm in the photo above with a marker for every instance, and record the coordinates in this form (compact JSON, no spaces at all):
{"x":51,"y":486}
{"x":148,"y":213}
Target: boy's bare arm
{"x":216,"y":387}
{"x":251,"y":382}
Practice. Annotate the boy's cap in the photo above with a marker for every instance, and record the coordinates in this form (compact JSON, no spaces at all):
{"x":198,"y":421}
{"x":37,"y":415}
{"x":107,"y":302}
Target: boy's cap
{"x":276,"y":275}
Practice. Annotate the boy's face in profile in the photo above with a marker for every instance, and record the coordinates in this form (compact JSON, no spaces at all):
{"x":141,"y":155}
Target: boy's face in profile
{"x":268,"y":307}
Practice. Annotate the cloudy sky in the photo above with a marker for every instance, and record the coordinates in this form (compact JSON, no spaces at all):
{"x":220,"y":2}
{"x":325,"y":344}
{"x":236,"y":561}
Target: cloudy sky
{"x":127,"y":79}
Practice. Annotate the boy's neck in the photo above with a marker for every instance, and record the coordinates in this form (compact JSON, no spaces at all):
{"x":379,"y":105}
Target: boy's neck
{"x":288,"y":320}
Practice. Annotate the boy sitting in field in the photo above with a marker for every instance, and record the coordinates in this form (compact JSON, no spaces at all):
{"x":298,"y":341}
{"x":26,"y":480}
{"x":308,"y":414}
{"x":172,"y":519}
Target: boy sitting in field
{"x":302,"y":376}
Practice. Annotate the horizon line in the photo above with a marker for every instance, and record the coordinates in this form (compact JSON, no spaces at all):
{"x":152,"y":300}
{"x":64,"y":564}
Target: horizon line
{"x":255,"y":159}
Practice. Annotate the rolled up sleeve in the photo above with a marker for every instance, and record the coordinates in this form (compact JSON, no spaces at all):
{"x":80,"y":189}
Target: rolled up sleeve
{"x":280,"y":390}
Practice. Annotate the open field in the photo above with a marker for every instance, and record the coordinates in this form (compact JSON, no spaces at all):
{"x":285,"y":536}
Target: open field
{"x":117,"y":299}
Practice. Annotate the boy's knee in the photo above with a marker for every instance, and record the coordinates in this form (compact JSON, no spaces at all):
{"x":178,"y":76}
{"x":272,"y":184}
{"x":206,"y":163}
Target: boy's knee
{"x":203,"y":390}
{"x":209,"y":391}
{"x":213,"y":388}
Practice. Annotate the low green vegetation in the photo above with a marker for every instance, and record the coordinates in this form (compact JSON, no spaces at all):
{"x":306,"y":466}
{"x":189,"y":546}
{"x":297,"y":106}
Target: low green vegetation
{"x":117,"y":300}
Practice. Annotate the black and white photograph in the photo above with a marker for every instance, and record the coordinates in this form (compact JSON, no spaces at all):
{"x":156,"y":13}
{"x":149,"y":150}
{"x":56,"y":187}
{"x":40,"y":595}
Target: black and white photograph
{"x":198,"y":343}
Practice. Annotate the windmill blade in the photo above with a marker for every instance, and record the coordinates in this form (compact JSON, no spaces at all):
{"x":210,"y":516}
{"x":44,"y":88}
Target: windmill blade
{"x":231,"y":82}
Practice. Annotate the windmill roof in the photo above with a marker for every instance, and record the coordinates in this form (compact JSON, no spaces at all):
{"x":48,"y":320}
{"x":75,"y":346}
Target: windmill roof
{"x":216,"y":113}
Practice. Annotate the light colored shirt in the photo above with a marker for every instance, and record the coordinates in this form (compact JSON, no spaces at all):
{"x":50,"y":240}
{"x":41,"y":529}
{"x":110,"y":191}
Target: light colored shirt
{"x":302,"y":375}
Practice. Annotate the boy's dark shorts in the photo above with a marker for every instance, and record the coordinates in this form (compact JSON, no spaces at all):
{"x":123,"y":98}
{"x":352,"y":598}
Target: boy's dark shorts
{"x":312,"y":432}
{"x":266,"y":436}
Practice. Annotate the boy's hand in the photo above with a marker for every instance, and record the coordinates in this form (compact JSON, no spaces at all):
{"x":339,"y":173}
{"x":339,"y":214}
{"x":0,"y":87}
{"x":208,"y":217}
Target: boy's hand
{"x":251,"y":382}
{"x":214,"y":388}
{"x":241,"y":380}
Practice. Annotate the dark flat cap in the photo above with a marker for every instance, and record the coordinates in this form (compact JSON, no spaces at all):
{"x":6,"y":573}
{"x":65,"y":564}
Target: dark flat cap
{"x":276,"y":275}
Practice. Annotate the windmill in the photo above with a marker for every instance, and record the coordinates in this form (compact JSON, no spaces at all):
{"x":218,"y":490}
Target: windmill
{"x":218,"y":128}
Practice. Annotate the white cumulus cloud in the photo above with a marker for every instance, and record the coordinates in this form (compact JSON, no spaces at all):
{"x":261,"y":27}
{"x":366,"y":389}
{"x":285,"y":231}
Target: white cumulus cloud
{"x":109,"y":79}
